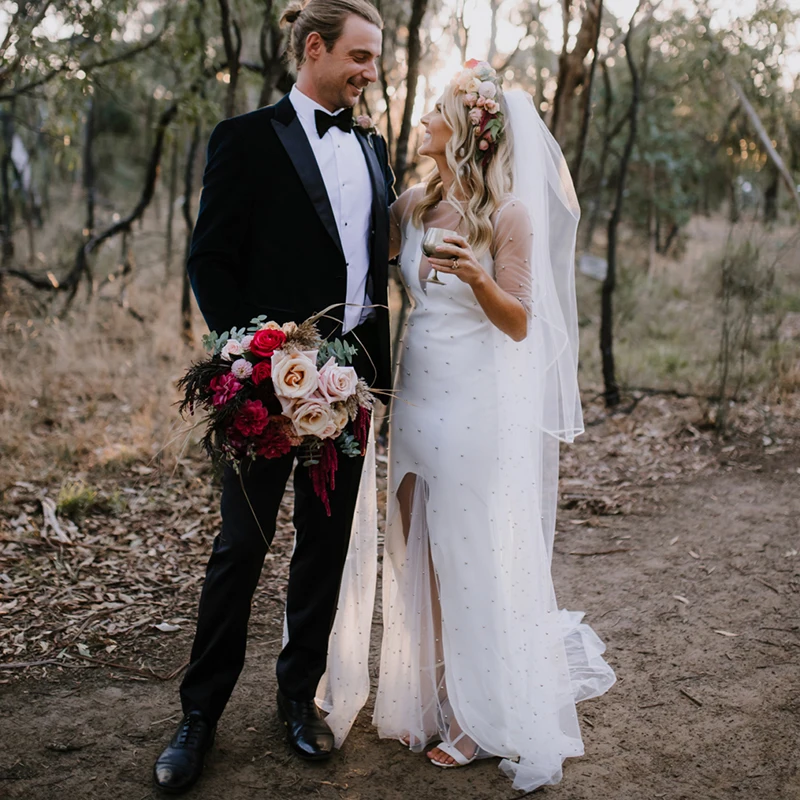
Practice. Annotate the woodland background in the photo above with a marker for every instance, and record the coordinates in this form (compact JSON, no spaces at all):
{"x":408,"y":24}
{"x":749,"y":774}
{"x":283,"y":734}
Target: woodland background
{"x":680,"y":120}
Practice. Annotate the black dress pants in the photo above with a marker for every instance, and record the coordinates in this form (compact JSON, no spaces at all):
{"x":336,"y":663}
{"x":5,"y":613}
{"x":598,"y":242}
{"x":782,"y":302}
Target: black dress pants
{"x":235,"y":566}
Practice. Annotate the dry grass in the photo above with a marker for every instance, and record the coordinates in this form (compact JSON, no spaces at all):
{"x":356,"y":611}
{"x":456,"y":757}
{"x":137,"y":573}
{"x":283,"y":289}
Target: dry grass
{"x":95,"y":387}
{"x":668,"y":322}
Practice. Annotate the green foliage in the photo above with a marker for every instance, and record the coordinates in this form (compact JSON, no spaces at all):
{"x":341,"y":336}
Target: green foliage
{"x":348,"y":444}
{"x":343,"y":352}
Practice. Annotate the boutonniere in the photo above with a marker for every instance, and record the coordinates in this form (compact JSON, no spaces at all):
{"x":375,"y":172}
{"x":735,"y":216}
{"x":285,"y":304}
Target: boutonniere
{"x":366,"y":126}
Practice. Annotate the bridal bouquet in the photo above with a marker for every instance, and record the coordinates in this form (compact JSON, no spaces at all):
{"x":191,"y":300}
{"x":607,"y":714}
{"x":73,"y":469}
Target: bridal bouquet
{"x":268,"y":388}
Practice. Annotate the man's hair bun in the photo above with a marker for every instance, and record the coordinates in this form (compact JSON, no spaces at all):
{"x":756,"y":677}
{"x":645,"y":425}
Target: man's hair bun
{"x":292,"y":12}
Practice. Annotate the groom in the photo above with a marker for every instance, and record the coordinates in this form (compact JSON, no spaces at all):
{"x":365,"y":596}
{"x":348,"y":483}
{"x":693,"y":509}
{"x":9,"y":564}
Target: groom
{"x":293,"y":218}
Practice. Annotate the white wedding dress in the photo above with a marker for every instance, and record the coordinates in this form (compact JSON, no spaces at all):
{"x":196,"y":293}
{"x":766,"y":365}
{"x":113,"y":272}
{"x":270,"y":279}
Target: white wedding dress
{"x":473,"y":640}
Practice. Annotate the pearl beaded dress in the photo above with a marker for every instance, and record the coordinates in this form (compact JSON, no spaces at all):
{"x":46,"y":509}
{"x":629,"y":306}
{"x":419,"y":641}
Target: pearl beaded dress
{"x":473,"y":640}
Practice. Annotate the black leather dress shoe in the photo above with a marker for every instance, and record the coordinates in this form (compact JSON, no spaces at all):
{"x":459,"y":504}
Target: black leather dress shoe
{"x":179,"y":766}
{"x":309,"y":734}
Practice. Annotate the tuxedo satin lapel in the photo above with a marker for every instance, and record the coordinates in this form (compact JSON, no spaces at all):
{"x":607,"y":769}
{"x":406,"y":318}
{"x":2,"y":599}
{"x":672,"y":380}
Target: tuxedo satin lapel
{"x":294,"y":140}
{"x":379,"y":221}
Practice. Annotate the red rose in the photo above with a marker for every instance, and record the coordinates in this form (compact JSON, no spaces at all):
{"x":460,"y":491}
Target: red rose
{"x":266,"y":342}
{"x":261,"y":371}
{"x":251,"y":419}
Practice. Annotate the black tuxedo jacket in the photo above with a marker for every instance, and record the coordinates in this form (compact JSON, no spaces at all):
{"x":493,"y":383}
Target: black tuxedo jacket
{"x":265,"y":240}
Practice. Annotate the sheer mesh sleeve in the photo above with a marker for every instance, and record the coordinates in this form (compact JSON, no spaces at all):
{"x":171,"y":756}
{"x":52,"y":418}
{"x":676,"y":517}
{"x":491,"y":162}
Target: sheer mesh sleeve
{"x":511,"y":251}
{"x":399,"y":214}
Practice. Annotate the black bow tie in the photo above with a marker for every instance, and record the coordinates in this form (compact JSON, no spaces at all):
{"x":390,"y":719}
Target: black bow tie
{"x":343,"y":120}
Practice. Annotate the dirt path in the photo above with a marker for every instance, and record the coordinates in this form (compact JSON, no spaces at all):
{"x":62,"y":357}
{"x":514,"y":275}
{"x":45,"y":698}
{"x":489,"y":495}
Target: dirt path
{"x":697,"y":596}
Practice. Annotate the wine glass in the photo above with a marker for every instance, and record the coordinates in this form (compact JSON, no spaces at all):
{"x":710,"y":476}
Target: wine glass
{"x":432,"y":239}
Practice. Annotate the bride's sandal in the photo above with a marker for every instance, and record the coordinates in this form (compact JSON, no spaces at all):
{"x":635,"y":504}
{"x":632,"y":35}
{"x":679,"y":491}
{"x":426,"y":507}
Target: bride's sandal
{"x":451,"y":750}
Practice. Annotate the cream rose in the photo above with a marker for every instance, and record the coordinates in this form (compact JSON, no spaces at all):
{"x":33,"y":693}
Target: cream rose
{"x":294,"y":374}
{"x":270,"y":326}
{"x":335,"y":382}
{"x":463,"y":79}
{"x":340,"y":416}
{"x":313,"y":417}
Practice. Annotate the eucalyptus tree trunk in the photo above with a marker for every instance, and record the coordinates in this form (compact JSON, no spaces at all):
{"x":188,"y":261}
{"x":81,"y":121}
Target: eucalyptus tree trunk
{"x":188,"y":218}
{"x":173,"y":195}
{"x":611,"y":388}
{"x":418,"y":9}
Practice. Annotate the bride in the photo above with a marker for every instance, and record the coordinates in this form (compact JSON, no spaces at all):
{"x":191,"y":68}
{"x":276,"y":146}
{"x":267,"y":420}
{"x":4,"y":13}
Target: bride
{"x":476,"y":654}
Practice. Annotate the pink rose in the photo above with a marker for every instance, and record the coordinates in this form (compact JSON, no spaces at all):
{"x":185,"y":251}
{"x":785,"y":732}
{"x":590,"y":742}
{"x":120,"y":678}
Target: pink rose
{"x":231,"y":348}
{"x":363,"y":121}
{"x":483,"y":144}
{"x":492,"y":106}
{"x":335,"y":382}
{"x":266,"y":342}
{"x":224,"y":388}
{"x":261,"y":371}
{"x":470,"y":99}
{"x":472,"y":63}
{"x":475,"y":116}
{"x":480,"y":102}
{"x":251,"y":419}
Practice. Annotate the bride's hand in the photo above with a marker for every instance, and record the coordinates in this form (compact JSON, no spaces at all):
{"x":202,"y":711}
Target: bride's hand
{"x":458,"y":259}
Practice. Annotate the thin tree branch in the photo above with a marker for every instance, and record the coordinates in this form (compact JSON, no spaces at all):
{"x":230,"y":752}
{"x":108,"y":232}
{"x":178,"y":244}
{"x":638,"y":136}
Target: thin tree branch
{"x":587,"y":105}
{"x":105,"y":62}
{"x":418,"y":9}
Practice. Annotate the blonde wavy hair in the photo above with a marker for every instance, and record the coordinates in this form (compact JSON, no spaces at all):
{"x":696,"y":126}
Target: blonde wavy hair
{"x":483,"y":184}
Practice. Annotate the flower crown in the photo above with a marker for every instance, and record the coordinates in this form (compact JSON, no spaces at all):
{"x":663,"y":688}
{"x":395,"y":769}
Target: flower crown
{"x":479,"y":83}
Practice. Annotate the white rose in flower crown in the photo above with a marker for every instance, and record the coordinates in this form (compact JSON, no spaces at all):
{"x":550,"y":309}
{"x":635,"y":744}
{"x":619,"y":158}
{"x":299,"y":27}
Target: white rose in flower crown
{"x":335,"y":382}
{"x":340,"y":416}
{"x":294,"y":374}
{"x":474,"y":86}
{"x":313,"y":417}
{"x":487,"y":89}
{"x":230,"y":349}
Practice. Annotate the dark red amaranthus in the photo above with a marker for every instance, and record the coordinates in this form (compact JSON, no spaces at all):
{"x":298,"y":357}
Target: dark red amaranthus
{"x":361,"y":426}
{"x":323,"y":473}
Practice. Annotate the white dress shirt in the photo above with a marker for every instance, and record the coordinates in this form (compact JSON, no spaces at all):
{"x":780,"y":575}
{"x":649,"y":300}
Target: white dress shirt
{"x":344,"y":171}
